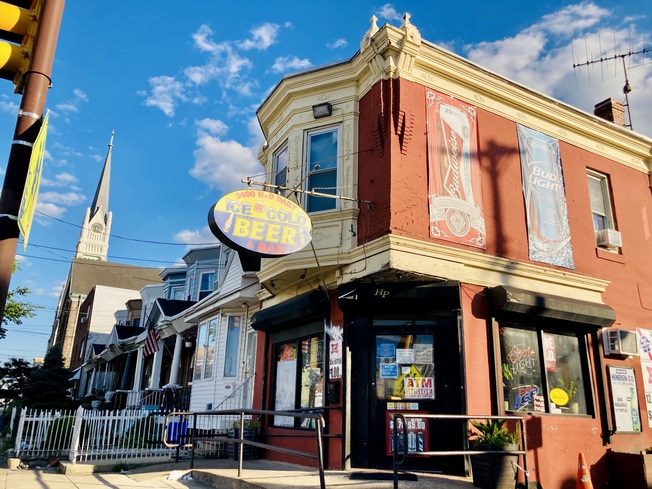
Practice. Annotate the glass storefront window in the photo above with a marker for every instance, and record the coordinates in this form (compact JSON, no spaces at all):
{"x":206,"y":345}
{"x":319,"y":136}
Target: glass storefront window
{"x":405,"y":367}
{"x":542,"y":371}
{"x":300,"y":360}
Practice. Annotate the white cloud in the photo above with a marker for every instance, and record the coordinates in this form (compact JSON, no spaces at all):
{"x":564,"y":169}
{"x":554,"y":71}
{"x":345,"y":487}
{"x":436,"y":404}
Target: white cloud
{"x":72,"y":105}
{"x":388,"y":12}
{"x":222,"y":163}
{"x":54,"y":291}
{"x":195,"y":237}
{"x":166,"y":94}
{"x":212,"y":126}
{"x":542,"y":57}
{"x":288,"y":63}
{"x":50,"y":210}
{"x":338,"y":43}
{"x":67,"y":199}
{"x":262,"y":37}
{"x":9,"y":107}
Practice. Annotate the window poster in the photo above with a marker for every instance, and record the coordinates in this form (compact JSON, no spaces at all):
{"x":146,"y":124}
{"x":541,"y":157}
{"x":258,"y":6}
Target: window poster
{"x":521,"y":370}
{"x":624,"y":399}
{"x":645,"y":349}
{"x":418,"y":438}
{"x":454,"y":185}
{"x":286,"y":374}
{"x":545,"y":199}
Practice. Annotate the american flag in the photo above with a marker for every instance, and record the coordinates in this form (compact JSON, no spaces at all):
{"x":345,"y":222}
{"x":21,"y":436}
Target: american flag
{"x":151,"y":342}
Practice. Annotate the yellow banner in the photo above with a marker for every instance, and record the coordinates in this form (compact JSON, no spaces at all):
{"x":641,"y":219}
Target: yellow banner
{"x":32,"y":183}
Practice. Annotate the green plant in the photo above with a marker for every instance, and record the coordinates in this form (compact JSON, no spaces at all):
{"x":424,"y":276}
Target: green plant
{"x":492,"y":434}
{"x":249,"y":424}
{"x":570,"y":387}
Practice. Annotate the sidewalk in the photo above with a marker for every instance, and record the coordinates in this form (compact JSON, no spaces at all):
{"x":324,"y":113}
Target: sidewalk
{"x":221,"y":474}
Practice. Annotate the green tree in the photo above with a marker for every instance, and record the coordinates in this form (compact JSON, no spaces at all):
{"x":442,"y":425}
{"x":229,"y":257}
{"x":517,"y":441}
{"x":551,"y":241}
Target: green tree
{"x":14,"y":376}
{"x":49,"y":383}
{"x":16,"y":309}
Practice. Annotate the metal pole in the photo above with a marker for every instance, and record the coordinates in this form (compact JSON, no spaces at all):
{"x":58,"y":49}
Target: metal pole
{"x":32,"y":106}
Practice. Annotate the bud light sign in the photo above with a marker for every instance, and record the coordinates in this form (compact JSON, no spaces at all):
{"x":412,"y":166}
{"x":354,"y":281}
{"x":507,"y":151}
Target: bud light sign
{"x":545,"y":199}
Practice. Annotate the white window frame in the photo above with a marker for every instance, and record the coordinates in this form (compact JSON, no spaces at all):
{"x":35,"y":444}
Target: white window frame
{"x":309,"y":166}
{"x":285,"y":149}
{"x":601,"y":205}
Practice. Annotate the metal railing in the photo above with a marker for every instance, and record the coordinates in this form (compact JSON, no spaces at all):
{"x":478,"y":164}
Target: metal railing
{"x":90,"y":435}
{"x":236,"y":400}
{"x":186,"y":430}
{"x":400,"y":456}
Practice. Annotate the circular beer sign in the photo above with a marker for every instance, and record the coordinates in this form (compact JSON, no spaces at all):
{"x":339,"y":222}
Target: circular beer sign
{"x":559,"y":396}
{"x":260,"y":223}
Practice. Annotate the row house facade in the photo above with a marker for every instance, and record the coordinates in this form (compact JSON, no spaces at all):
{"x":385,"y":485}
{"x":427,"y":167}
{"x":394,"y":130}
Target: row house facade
{"x":485,"y":251}
{"x":200,"y":313}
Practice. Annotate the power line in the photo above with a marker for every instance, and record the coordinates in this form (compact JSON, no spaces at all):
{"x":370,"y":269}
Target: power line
{"x":147,"y":241}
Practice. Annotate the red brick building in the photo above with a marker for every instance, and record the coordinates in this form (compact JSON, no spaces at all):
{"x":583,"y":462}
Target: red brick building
{"x":485,"y":243}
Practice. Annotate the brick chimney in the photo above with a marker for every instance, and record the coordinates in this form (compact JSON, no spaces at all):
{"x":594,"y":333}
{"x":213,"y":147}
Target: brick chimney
{"x":611,"y":110}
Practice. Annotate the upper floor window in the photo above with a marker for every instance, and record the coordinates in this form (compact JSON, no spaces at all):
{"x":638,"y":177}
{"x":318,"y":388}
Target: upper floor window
{"x":602,"y":211}
{"x":600,"y":201}
{"x":322,"y":157}
{"x":281,"y":168}
{"x":206,"y":284}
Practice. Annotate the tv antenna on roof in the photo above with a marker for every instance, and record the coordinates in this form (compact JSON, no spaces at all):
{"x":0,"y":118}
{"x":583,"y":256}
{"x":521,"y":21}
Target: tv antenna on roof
{"x":627,"y":87}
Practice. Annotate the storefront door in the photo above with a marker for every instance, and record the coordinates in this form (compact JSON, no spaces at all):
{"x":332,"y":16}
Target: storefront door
{"x":413,"y":367}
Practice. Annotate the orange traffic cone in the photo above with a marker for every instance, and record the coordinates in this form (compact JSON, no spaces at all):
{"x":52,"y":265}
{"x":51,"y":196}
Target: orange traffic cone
{"x":583,"y":477}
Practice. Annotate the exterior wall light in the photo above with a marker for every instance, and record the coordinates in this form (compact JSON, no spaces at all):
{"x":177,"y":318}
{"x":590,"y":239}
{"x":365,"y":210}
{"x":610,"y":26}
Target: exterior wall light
{"x":322,"y":110}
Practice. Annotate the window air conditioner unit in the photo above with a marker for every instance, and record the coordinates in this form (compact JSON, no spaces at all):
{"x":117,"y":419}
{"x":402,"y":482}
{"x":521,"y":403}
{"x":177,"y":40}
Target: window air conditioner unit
{"x":608,"y":237}
{"x":620,"y":342}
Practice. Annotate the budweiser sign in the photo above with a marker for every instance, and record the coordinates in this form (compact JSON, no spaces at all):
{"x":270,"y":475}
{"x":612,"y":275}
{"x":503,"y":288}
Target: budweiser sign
{"x":454,"y":192}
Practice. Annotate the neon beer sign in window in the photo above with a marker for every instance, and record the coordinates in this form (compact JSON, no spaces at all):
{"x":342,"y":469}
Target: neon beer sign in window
{"x":260,"y":223}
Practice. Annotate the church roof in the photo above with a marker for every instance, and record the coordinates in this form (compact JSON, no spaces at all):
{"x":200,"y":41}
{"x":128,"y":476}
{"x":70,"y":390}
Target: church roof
{"x":86,"y":274}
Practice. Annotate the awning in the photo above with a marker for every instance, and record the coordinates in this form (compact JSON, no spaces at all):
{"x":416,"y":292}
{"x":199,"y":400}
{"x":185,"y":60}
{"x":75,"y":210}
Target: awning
{"x":508,"y":303}
{"x":76,"y":375}
{"x":304,"y":306}
{"x":406,"y":297}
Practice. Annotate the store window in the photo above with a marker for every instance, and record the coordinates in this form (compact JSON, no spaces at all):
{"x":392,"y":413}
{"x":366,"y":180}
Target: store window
{"x":299,"y":379}
{"x":405,"y":367}
{"x":543,"y":371}
{"x":322,"y":158}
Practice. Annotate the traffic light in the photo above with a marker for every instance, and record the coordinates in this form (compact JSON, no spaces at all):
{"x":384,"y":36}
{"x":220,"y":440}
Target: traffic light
{"x":19,"y":21}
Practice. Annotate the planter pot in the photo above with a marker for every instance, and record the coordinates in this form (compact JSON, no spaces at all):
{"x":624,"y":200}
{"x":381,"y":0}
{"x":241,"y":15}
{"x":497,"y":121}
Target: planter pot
{"x":95,"y":404}
{"x":108,"y":397}
{"x":495,"y":471}
{"x":575,"y":407}
{"x":234,"y":448}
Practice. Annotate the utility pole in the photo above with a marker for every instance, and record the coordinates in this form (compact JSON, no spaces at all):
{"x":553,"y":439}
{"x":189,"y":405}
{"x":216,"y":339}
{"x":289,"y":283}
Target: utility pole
{"x":46,"y":19}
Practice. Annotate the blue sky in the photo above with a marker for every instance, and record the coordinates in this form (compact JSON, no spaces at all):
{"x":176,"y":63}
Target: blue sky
{"x":179,"y":83}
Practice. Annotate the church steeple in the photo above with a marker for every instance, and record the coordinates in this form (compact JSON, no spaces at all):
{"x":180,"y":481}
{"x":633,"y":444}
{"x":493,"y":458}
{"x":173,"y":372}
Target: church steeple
{"x":101,"y":199}
{"x":96,"y":228}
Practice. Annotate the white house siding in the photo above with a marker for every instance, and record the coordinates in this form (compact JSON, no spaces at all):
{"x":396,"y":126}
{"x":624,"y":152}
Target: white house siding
{"x":106,"y":302}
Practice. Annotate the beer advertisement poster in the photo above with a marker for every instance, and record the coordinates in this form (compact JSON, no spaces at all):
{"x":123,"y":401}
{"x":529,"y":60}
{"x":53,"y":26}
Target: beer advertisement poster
{"x":454,"y":190}
{"x":545,"y":199}
{"x":418,"y":438}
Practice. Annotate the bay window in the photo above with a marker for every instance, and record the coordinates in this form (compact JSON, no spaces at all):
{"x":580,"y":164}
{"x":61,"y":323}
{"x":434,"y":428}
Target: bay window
{"x":321,"y":165}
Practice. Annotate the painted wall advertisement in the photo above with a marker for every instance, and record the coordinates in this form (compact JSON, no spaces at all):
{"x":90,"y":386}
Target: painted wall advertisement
{"x":624,"y":399}
{"x":454,"y":190}
{"x":545,"y":199}
{"x":645,"y":350}
{"x":418,"y":439}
